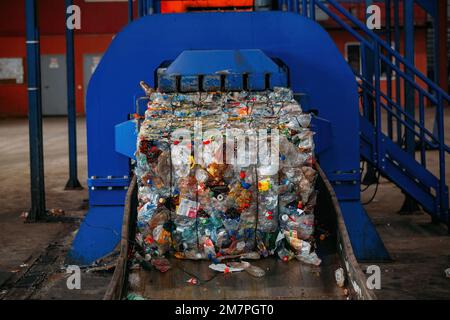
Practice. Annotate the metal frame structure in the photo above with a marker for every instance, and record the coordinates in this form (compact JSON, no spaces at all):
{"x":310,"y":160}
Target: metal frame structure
{"x":396,"y":163}
{"x":72,"y":183}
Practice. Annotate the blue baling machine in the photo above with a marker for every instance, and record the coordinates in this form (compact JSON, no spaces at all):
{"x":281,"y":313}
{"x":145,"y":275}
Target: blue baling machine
{"x":219,"y":51}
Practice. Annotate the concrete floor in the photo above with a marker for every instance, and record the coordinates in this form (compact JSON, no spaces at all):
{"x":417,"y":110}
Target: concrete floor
{"x":420,"y":250}
{"x":23,"y":243}
{"x":25,"y":239}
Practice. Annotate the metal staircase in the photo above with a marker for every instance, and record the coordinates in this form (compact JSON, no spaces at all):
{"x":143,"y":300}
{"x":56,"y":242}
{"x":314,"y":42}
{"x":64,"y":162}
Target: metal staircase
{"x":384,"y":108}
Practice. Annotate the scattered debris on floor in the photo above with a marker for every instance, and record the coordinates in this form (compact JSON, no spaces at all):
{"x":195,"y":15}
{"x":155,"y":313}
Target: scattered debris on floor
{"x":56,"y":212}
{"x":161,"y":264}
{"x":193,"y":281}
{"x":24,"y":215}
{"x":231,"y":267}
{"x":224,"y":268}
{"x":104,"y":264}
{"x":133,"y":296}
{"x":340,"y":277}
{"x":134,"y":281}
{"x":253,"y":270}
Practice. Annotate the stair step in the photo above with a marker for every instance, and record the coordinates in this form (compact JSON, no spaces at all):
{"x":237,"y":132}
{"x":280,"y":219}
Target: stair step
{"x":402,"y":169}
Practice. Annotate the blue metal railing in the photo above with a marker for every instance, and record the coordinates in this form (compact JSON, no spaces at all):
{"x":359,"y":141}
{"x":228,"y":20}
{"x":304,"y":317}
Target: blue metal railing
{"x":405,"y":73}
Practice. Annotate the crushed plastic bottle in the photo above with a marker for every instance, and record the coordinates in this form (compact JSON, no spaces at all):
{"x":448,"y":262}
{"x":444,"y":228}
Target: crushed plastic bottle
{"x":133,"y":296}
{"x":340,"y":277}
{"x":224,"y":268}
{"x":309,"y":258}
{"x":447,"y":272}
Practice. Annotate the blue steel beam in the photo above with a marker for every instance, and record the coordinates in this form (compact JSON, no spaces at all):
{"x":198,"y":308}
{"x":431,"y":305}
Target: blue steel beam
{"x":305,"y":8}
{"x":280,"y":5}
{"x":312,"y":9}
{"x":440,"y":52}
{"x":140,"y":8}
{"x":35,"y":113}
{"x":295,"y":6}
{"x":156,"y":6}
{"x":430,"y":6}
{"x":72,"y":183}
{"x":388,"y":69}
{"x":368,"y":71}
{"x":408,"y":14}
{"x":130,"y":11}
{"x":150,"y":6}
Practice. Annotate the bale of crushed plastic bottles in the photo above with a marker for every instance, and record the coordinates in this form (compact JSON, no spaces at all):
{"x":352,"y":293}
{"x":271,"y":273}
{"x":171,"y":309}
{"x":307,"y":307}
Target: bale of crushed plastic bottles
{"x":225,"y":175}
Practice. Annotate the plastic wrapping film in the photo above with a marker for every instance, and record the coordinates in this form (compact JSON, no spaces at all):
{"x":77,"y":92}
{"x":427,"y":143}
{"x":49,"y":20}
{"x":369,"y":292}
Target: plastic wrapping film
{"x":226,"y":175}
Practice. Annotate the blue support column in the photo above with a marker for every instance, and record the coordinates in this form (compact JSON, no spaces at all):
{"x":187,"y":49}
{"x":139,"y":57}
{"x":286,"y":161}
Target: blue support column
{"x":436,"y":71}
{"x":397,"y":64}
{"x":295,"y":6}
{"x":312,"y":9}
{"x":408,"y":14}
{"x":305,"y":8}
{"x":368,"y":71}
{"x":442,"y":56}
{"x":140,"y":8}
{"x":156,"y":6}
{"x":150,"y":6}
{"x":72,"y":183}
{"x":440,"y":20}
{"x":145,"y":7}
{"x":35,"y":113}
{"x":436,"y":48}
{"x":289,"y":5}
{"x":388,"y":69}
{"x":280,"y":5}
{"x":409,"y":205}
{"x":130,"y":11}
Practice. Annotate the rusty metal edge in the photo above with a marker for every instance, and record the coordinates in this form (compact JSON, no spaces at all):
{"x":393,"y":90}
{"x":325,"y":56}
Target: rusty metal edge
{"x":116,"y":287}
{"x":356,"y":279}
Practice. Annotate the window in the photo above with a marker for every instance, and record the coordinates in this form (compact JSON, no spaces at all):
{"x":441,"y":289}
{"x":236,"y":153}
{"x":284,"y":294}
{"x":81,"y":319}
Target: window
{"x":353,"y":56}
{"x":353,"y":11}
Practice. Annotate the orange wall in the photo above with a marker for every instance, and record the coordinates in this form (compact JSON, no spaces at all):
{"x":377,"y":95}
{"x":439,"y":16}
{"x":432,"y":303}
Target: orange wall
{"x":13,"y":97}
{"x":172,"y":6}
